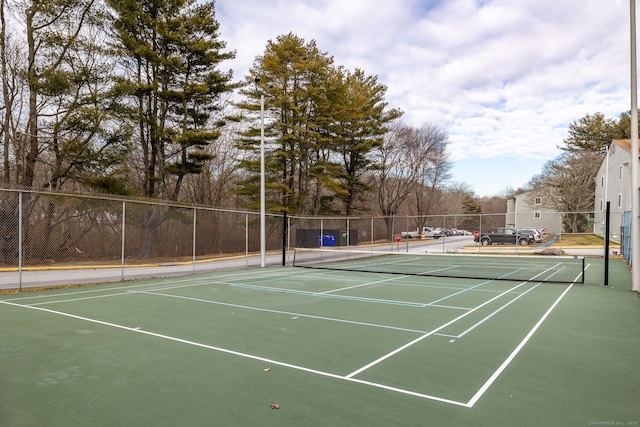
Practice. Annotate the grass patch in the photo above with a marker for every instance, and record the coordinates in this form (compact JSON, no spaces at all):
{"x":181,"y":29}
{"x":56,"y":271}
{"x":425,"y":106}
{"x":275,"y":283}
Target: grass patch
{"x":567,"y":239}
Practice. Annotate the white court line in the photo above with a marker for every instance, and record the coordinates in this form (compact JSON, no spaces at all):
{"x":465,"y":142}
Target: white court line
{"x":497,"y":311}
{"x":236,"y":353}
{"x":417,"y":340}
{"x":515,"y":352}
{"x":190,"y":281}
{"x":203,"y":281}
{"x":401,"y":284}
{"x":288,"y":313}
{"x":491,"y":314}
{"x":80,"y":299}
{"x":363,"y":284}
{"x":409,"y":344}
{"x":469,"y":404}
{"x":327,"y":294}
{"x":320,"y":295}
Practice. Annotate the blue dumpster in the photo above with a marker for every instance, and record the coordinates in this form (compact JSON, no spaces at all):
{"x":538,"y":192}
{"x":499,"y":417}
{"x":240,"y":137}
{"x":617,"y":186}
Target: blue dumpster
{"x":328,"y":240}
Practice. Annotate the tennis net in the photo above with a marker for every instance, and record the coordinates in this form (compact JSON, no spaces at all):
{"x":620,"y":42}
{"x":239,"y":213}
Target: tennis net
{"x":538,"y":268}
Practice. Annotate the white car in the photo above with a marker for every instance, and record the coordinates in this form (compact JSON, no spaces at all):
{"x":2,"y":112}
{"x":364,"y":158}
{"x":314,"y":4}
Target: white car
{"x":537,"y":236}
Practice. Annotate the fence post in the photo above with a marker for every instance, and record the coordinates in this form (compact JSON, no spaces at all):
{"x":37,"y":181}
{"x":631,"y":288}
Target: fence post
{"x":407,"y":239}
{"x":124,"y":207}
{"x":20,"y":238}
{"x":393,"y":229}
{"x":560,"y":229}
{"x":194,"y":237}
{"x":246,"y":239}
{"x":284,"y":238}
{"x":479,"y":242}
{"x":372,"y":231}
{"x":607,"y":224}
{"x":348,"y":232}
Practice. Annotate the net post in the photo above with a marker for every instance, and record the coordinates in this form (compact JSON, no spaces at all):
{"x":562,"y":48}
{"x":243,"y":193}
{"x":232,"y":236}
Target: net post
{"x":582,"y":281}
{"x":607,"y":223}
{"x":284,"y":238}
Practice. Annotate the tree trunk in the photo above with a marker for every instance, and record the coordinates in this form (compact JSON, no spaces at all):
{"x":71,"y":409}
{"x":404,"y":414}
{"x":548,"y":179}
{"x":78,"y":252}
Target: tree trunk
{"x":31,"y":139}
{"x":8,"y":102}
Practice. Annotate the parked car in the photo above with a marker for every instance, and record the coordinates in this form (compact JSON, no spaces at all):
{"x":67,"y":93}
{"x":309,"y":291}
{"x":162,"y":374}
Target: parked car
{"x":424,"y":232}
{"x":448,"y":231}
{"x":505,"y":235}
{"x":537,"y":236}
{"x":542,"y":231}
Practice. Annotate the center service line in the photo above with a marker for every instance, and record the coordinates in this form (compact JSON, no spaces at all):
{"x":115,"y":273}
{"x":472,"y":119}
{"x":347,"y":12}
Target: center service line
{"x":515,"y":352}
{"x":420,"y":338}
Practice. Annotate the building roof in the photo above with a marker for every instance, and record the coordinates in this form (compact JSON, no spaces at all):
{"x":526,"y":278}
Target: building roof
{"x":623,"y":143}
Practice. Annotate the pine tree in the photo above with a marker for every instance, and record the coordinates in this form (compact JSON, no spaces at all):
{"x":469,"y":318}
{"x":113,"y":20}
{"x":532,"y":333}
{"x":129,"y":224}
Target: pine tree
{"x":361,"y":119}
{"x":322,"y":124}
{"x":171,"y":51}
{"x":292,"y":77}
{"x":592,"y":132}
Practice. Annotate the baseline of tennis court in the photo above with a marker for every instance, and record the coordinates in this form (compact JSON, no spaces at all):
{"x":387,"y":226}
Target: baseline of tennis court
{"x":441,"y":340}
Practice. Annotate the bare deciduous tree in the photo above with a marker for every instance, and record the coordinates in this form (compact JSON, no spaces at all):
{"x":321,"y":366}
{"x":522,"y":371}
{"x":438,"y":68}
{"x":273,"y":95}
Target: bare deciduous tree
{"x":567,"y":185}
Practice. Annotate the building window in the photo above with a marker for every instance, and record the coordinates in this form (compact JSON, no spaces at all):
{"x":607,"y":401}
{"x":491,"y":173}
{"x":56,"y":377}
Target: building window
{"x":537,"y":214}
{"x":621,"y":168}
{"x":601,"y":204}
{"x":619,"y":200}
{"x":602,"y":181}
{"x":538,"y":201}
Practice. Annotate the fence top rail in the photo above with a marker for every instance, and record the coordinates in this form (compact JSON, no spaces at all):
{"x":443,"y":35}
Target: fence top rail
{"x":127,"y":199}
{"x":169,"y":203}
{"x":427,"y":216}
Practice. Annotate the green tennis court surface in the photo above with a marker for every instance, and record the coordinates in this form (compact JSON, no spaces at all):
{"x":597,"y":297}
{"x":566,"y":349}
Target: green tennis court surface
{"x":331,"y":348}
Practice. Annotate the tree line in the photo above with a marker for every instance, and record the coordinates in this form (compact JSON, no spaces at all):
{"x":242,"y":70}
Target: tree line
{"x":132,"y":97}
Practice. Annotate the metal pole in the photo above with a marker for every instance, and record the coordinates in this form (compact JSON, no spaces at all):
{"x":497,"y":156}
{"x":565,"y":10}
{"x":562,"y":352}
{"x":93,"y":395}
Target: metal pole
{"x":444,"y":236}
{"x":20,"y":239}
{"x":284,"y":238}
{"x":407,"y":239}
{"x":635,"y":206}
{"x":480,"y":234}
{"x":262,"y":190}
{"x":246,"y":239}
{"x":515,"y":221}
{"x":195,"y":218}
{"x":607,"y":224}
{"x":606,"y":175}
{"x":393,"y":229}
{"x":348,"y":232}
{"x":124,"y":211}
{"x":371,"y":231}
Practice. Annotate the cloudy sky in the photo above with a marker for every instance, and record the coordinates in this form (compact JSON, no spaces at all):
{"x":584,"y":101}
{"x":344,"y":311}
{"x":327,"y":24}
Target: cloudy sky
{"x":504,"y":78}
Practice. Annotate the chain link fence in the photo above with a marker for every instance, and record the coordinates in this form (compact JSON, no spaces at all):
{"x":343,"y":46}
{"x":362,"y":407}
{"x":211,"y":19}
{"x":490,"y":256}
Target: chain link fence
{"x":52,"y":239}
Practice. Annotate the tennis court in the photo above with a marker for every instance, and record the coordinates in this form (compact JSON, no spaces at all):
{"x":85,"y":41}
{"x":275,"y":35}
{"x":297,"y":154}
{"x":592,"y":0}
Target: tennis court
{"x":347,"y":348}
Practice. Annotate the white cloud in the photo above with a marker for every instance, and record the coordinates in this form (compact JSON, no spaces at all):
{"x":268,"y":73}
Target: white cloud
{"x":504,"y":78}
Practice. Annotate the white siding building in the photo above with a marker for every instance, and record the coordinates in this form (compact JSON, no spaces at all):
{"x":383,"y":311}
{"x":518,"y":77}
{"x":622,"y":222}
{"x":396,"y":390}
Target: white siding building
{"x":613,"y":186}
{"x":528,"y":210}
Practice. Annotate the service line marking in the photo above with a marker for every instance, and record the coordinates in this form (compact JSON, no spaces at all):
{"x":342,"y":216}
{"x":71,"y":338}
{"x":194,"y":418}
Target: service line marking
{"x":236,"y":353}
